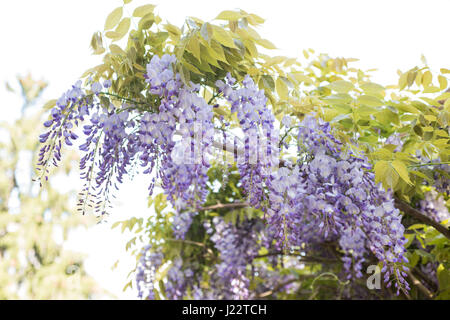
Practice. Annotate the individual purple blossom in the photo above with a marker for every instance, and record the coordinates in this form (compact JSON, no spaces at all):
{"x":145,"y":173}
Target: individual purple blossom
{"x":96,"y":87}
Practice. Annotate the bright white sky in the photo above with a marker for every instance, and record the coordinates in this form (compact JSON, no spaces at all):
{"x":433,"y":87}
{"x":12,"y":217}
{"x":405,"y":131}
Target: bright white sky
{"x":51,"y":39}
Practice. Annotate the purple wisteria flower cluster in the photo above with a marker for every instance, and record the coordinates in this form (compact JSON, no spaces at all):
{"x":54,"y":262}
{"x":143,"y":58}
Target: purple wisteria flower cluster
{"x":147,"y":267}
{"x":237,"y":246}
{"x":116,"y":138}
{"x":330,"y":194}
{"x":434,"y":206}
{"x":261,"y":138}
{"x":70,"y":109}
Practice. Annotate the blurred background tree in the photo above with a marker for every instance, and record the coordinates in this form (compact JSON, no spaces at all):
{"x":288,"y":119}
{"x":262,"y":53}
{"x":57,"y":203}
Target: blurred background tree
{"x":35,"y":222}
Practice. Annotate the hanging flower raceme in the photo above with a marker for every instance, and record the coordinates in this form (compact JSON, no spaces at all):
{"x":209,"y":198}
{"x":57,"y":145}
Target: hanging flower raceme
{"x":70,"y":109}
{"x":148,"y":265}
{"x":184,"y":163}
{"x":260,"y":137}
{"x":331,"y":195}
{"x":116,"y":138}
{"x":238,"y":246}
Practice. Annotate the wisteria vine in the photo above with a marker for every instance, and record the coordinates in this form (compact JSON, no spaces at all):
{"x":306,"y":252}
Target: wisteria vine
{"x":328,"y":194}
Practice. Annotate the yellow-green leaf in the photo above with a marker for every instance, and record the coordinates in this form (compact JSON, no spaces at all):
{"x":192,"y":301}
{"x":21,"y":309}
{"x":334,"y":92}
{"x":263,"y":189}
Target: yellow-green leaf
{"x":254,"y":19}
{"x":97,"y":43}
{"x":372,"y":88}
{"x":194,"y":47}
{"x":282,"y":89}
{"x":370,"y":101}
{"x":403,"y":81}
{"x":427,"y":78}
{"x":113,"y":18}
{"x":305,"y":54}
{"x":122,"y":28}
{"x":139,"y":67}
{"x":442,"y":82}
{"x":173,"y":29}
{"x":146,"y":21}
{"x":223,"y":37}
{"x":229,"y":15}
{"x":402,"y":171}
{"x":419,"y":78}
{"x":381,"y":169}
{"x":50,"y":104}
{"x":447,"y":105}
{"x":266,"y":44}
{"x":431,"y":89}
{"x":115,"y":49}
{"x":143,"y":10}
{"x":113,"y":35}
{"x":341,"y":86}
{"x":430,"y":117}
{"x":422,"y":175}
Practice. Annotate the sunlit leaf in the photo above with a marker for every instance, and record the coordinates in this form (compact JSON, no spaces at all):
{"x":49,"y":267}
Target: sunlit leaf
{"x":113,"y":18}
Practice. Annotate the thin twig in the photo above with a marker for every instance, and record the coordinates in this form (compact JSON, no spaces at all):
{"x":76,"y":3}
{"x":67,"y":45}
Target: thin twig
{"x":407,"y":209}
{"x":119,"y":97}
{"x":419,"y":285}
{"x":429,"y":164}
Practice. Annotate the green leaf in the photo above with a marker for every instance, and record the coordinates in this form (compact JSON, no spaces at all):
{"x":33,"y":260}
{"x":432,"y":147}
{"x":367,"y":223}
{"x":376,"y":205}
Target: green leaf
{"x":173,"y":29}
{"x":254,"y":19}
{"x":403,"y":81}
{"x":385,"y":174}
{"x":128,"y":285}
{"x":420,"y":174}
{"x":341,"y":86}
{"x":122,"y":28}
{"x":229,"y":15}
{"x":343,"y":98}
{"x":370,"y":101}
{"x":401,"y":169}
{"x":194,"y":47}
{"x":116,"y":224}
{"x":223,"y":37}
{"x":268,"y":82}
{"x":115,"y":49}
{"x":372,"y":88}
{"x":113,"y":35}
{"x":143,"y":10}
{"x":427,"y":78}
{"x":49,"y":104}
{"x":266,"y":44}
{"x":206,"y":31}
{"x":282,"y":89}
{"x":443,"y":275}
{"x":113,"y":18}
{"x":146,"y":21}
{"x":442,"y":82}
{"x":97,"y":43}
{"x":381,"y":168}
